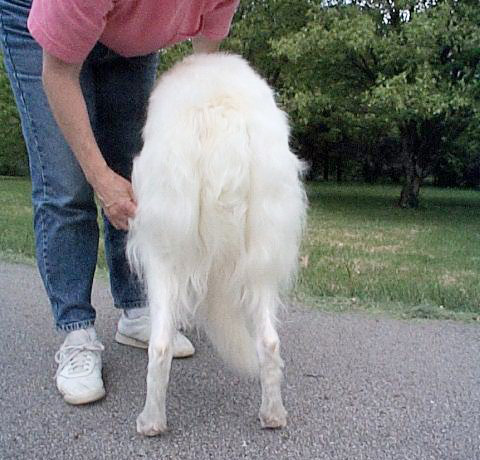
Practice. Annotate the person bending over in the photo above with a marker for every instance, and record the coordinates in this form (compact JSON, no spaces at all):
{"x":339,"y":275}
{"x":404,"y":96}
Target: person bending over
{"x":81,"y":73}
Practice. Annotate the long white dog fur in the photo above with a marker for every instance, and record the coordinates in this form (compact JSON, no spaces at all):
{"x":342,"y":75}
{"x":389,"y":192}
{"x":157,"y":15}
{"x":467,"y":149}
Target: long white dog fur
{"x":219,"y":219}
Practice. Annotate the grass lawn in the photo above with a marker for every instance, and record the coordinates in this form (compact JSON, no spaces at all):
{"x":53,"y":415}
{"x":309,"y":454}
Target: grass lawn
{"x":360,"y":251}
{"x":16,"y":235}
{"x":365,"y":252}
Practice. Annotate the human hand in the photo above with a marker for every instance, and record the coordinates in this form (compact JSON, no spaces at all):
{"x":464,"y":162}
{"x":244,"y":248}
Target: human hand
{"x":116,"y":198}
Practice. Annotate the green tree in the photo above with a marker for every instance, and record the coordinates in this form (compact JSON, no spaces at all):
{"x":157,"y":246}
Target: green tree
{"x":328,"y":65}
{"x":378,"y":70}
{"x":425,"y":104}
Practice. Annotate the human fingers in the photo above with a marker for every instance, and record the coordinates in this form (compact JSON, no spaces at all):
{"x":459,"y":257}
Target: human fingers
{"x":119,"y":212}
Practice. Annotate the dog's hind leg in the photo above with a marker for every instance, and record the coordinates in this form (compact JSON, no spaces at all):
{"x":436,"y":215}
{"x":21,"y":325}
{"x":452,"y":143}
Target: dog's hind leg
{"x":272,"y":413}
{"x":152,"y":420}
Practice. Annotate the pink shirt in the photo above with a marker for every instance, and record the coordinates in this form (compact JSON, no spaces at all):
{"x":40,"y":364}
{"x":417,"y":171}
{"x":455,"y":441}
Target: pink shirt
{"x":69,"y":29}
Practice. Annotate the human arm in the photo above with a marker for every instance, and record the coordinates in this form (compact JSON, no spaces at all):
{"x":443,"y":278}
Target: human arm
{"x":61,"y":82}
{"x":216,"y":24}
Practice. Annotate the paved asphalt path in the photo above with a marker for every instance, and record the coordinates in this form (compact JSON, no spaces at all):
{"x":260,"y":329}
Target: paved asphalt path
{"x":356,"y":387}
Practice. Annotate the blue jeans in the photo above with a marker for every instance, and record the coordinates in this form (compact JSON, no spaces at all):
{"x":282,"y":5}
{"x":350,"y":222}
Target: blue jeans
{"x":116,"y":91}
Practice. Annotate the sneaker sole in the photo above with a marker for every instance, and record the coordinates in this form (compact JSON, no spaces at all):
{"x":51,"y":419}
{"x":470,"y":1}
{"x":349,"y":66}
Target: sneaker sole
{"x":130,"y":341}
{"x":84,"y":399}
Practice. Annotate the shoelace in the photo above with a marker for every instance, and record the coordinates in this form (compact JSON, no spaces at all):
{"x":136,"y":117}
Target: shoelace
{"x":71,"y":354}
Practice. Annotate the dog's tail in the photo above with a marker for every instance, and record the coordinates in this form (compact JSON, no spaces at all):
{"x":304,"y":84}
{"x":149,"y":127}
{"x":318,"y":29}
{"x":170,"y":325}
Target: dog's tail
{"x":224,"y":194}
{"x":225,"y":323}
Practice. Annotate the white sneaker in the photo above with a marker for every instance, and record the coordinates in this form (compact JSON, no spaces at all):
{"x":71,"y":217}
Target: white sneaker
{"x":79,"y":374}
{"x":135,"y":332}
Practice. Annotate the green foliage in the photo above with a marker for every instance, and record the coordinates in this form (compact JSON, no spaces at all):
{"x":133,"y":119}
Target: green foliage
{"x":413,"y":84}
{"x":372,"y":87}
{"x":171,"y":55}
{"x":13,"y":157}
{"x":327,"y":68}
{"x":257,"y":23}
{"x":374,"y":72}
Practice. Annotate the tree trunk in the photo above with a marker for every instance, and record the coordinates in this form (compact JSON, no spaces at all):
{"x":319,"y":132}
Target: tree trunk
{"x":339,"y":168}
{"x":410,"y":191}
{"x":409,"y":197}
{"x":326,"y":166}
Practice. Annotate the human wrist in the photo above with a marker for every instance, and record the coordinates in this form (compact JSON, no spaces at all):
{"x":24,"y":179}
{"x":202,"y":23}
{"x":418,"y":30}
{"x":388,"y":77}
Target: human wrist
{"x":96,"y":174}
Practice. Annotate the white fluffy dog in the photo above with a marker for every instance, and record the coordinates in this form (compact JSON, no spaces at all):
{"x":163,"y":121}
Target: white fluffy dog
{"x":218,"y":224}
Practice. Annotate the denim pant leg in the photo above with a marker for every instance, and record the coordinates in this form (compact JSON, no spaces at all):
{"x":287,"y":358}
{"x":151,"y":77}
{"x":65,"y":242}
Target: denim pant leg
{"x":66,"y":231}
{"x":123,"y":86}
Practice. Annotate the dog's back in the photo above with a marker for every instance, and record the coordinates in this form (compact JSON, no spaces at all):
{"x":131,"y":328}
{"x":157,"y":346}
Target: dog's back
{"x":220,"y":203}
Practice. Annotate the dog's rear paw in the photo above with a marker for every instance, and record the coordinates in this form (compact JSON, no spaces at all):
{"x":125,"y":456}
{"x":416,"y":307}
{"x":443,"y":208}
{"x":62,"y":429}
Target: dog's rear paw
{"x":150,"y":426}
{"x":276,"y":418}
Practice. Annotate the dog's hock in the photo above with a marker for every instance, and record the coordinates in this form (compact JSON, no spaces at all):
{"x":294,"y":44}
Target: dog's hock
{"x":271,"y":344}
{"x":159,"y":350}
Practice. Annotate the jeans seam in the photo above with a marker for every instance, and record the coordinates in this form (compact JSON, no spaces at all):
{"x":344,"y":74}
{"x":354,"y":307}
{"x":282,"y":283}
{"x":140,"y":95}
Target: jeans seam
{"x":37,"y":146}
